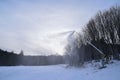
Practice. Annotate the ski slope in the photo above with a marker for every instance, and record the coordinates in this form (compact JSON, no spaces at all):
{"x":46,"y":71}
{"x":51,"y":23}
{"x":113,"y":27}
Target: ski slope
{"x":60,"y":72}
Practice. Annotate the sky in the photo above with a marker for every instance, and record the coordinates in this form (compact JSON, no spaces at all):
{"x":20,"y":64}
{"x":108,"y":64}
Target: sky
{"x":31,"y":25}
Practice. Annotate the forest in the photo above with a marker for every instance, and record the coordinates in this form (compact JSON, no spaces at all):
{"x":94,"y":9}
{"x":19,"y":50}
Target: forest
{"x":14,"y":59}
{"x":99,"y":40}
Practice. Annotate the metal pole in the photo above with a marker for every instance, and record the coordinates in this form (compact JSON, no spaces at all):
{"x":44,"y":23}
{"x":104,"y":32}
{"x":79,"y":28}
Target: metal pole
{"x":102,"y":54}
{"x":96,"y":48}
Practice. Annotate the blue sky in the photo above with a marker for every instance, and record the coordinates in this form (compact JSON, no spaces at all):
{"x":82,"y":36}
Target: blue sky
{"x":27,"y":24}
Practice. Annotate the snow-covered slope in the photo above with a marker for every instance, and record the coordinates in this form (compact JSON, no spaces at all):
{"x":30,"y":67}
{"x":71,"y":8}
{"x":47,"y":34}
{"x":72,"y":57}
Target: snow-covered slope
{"x":60,"y":72}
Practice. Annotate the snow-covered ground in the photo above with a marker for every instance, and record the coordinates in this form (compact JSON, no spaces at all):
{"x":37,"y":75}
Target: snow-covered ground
{"x":60,"y":72}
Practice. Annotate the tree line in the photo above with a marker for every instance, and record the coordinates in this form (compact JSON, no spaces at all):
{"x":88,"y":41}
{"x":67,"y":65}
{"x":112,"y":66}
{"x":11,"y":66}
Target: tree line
{"x":14,"y":59}
{"x":102,"y":31}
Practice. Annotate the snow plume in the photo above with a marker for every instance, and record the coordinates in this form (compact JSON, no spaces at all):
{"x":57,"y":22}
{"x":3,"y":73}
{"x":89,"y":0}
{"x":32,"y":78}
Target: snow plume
{"x":72,"y":48}
{"x":59,"y":40}
{"x":55,"y":42}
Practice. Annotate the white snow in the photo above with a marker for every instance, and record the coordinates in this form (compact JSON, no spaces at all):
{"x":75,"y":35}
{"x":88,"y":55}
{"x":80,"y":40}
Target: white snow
{"x":60,"y":72}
